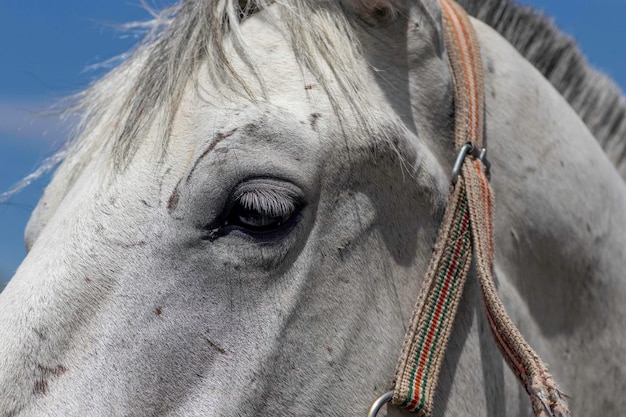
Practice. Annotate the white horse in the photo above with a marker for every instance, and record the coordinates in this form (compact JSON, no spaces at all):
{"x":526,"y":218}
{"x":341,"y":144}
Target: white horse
{"x":243,"y":222}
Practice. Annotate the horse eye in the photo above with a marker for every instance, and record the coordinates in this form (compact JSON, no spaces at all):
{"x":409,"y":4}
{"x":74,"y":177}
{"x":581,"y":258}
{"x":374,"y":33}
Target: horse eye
{"x":263,"y":210}
{"x":258,"y":220}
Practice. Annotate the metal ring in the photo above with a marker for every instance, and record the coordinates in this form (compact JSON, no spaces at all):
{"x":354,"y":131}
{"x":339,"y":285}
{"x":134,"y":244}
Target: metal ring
{"x":460,"y":158}
{"x":469,"y":149}
{"x":378,"y":404}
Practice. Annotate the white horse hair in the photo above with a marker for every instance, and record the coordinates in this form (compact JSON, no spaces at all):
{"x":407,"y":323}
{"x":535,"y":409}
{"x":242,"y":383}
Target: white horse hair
{"x":242,"y":220}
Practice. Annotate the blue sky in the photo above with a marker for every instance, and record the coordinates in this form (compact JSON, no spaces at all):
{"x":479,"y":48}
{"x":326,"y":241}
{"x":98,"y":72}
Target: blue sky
{"x":48,"y":48}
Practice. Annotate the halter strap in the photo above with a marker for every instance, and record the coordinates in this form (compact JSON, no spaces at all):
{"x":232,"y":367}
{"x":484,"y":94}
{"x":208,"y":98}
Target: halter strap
{"x":467,"y":226}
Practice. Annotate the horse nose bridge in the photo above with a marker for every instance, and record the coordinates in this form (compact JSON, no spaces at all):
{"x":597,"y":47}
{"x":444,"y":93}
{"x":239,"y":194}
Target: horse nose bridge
{"x":45,"y":285}
{"x":47,"y":302}
{"x":27,"y":306}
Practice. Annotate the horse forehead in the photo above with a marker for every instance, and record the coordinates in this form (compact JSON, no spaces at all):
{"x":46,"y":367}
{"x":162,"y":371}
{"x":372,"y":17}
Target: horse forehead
{"x":268,"y":67}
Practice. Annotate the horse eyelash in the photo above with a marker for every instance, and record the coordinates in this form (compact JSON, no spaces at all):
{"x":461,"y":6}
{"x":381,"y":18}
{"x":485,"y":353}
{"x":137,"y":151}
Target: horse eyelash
{"x":271,"y":202}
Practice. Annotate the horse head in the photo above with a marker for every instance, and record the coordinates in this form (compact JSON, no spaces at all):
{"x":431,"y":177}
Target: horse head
{"x":243,"y":221}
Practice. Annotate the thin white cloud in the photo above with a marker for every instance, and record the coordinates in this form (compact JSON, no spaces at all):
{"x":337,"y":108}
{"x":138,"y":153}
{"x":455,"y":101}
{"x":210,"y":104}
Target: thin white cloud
{"x":31,"y":120}
{"x":27,"y":119}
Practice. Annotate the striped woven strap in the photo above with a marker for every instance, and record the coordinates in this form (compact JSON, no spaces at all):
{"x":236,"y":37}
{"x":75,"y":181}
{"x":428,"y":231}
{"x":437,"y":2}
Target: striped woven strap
{"x":467,"y":226}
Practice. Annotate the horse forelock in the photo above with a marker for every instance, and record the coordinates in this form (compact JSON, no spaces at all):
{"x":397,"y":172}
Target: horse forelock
{"x":143,"y":93}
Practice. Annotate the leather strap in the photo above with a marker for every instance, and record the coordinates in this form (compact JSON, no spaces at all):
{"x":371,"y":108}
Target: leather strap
{"x":467,"y":227}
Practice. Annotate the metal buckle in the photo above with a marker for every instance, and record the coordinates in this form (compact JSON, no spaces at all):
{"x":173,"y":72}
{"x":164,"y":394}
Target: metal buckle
{"x":469,"y":149}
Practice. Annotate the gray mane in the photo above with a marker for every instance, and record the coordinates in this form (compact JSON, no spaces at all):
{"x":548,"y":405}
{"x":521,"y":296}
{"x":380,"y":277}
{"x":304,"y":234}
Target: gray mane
{"x":595,"y":97}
